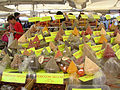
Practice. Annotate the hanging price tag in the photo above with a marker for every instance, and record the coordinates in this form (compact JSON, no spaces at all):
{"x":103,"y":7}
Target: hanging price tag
{"x":59,"y":16}
{"x":71,"y":17}
{"x":108,"y":17}
{"x":96,"y":16}
{"x":43,"y":19}
{"x":84,"y":16}
{"x":34,"y":19}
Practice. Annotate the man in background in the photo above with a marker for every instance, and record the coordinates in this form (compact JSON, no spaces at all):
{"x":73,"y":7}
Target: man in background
{"x":17,"y":15}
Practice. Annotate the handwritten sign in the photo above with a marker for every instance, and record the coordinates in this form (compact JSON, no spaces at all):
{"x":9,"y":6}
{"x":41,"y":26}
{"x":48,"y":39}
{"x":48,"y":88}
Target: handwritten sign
{"x":71,"y":17}
{"x":99,"y":54}
{"x":38,"y":52}
{"x":96,"y":16}
{"x":49,"y":39}
{"x":34,"y":19}
{"x":118,"y":54}
{"x":86,"y":78}
{"x":118,"y":18}
{"x":43,"y":19}
{"x":13,"y":77}
{"x":78,"y":54}
{"x":59,"y":16}
{"x":116,"y":47}
{"x":108,"y":17}
{"x":84,"y":16}
{"x":96,"y":47}
{"x":96,"y":39}
{"x":50,"y":78}
{"x":96,"y":33}
{"x":68,"y":32}
{"x":61,"y":47}
{"x":87,"y":89}
{"x":53,"y":33}
{"x":65,"y":38}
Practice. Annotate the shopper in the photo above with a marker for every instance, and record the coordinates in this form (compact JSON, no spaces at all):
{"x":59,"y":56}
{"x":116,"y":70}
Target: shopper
{"x":17,"y":15}
{"x":15,"y":27}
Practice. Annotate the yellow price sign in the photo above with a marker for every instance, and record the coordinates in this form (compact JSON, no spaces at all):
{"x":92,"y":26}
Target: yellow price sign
{"x":78,"y":54}
{"x":43,"y":19}
{"x":59,"y":16}
{"x":81,"y":46}
{"x":13,"y":77}
{"x":108,"y":17}
{"x":112,"y":40}
{"x":109,"y":33}
{"x":65,"y":38}
{"x":118,"y":54}
{"x":38,"y":52}
{"x":68,"y":32}
{"x":96,"y":16}
{"x":86,"y":78}
{"x":61,"y":47}
{"x":84,"y":16}
{"x":48,"y":49}
{"x":96,"y":47}
{"x":99,"y":54}
{"x":71,"y":16}
{"x":116,"y":47}
{"x":96,"y":33}
{"x":49,"y":39}
{"x":25,"y":45}
{"x":53,"y":33}
{"x":50,"y":78}
{"x":34,"y":19}
{"x":31,"y":49}
{"x":66,"y":76}
{"x":96,"y":39}
{"x":87,"y":89}
{"x":118,"y":18}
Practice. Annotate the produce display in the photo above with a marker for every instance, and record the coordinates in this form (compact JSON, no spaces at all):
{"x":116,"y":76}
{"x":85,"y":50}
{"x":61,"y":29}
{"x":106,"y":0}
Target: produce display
{"x":57,"y":59}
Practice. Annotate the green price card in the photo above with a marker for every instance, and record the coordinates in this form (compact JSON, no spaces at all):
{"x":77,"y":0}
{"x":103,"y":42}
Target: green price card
{"x":118,"y":18}
{"x":43,"y":19}
{"x":13,"y":77}
{"x":59,"y":16}
{"x":71,"y":16}
{"x":50,"y":78}
{"x":118,"y":54}
{"x":78,"y":54}
{"x":87,"y":89}
{"x":96,"y":16}
{"x":108,"y":17}
{"x":84,"y":16}
{"x":34,"y":19}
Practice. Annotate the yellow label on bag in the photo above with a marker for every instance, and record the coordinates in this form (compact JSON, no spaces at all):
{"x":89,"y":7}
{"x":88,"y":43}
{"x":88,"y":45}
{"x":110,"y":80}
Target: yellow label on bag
{"x":118,"y":54}
{"x":65,"y":38}
{"x":68,"y":32}
{"x":78,"y":54}
{"x":34,"y":19}
{"x":61,"y":47}
{"x":118,"y":18}
{"x":84,"y":16}
{"x":86,"y":78}
{"x":87,"y":89}
{"x":38,"y":52}
{"x":112,"y":40}
{"x":95,"y":33}
{"x":116,"y":47}
{"x":48,"y":49}
{"x":96,"y":47}
{"x":96,"y":39}
{"x":59,"y":16}
{"x":53,"y":33}
{"x":49,"y":39}
{"x":96,"y":16}
{"x":43,"y":19}
{"x":99,"y":54}
{"x":50,"y":78}
{"x":71,"y":16}
{"x":13,"y":77}
{"x":108,"y":17}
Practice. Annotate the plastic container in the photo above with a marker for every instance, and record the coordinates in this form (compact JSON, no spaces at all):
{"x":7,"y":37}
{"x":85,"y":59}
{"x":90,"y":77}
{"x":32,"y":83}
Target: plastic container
{"x":103,"y":87}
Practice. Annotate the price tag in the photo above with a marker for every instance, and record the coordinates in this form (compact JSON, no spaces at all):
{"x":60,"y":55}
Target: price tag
{"x":38,"y":52}
{"x":99,"y":54}
{"x":59,"y":16}
{"x":112,"y":40}
{"x":86,"y":78}
{"x":118,"y":18}
{"x":96,"y":39}
{"x":81,"y":46}
{"x":66,"y":76}
{"x":31,"y":39}
{"x":87,"y":89}
{"x":0,"y":51}
{"x":96,"y":47}
{"x":13,"y":77}
{"x":48,"y":49}
{"x":109,"y":33}
{"x":88,"y":36}
{"x":71,"y":17}
{"x":80,"y":32}
{"x":96,"y":16}
{"x":78,"y":54}
{"x":49,"y":39}
{"x":68,"y":32}
{"x":31,"y":49}
{"x":65,"y":38}
{"x":108,"y":17}
{"x":34,"y":19}
{"x":25,"y":45}
{"x":40,"y":37}
{"x":50,"y":78}
{"x":84,"y":16}
{"x":118,"y":54}
{"x":53,"y":33}
{"x":43,"y":19}
{"x":61,"y":47}
{"x":115,"y":47}
{"x":96,"y":33}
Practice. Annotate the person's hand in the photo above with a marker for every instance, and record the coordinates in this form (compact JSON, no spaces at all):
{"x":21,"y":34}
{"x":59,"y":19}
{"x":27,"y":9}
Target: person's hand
{"x":12,"y":31}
